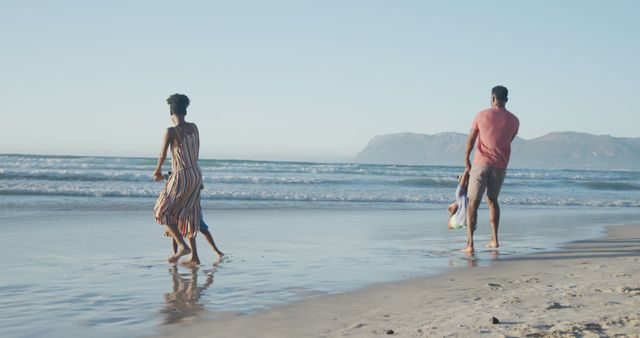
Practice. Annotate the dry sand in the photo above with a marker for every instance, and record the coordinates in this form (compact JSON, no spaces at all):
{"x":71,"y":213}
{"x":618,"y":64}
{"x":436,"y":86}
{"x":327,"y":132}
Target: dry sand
{"x":589,"y":289}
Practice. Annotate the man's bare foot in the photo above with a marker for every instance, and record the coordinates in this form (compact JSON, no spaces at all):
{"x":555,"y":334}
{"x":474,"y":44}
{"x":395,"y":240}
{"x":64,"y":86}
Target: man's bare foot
{"x":494,"y":254}
{"x":190,"y":262}
{"x":467,"y":249}
{"x":182,"y":250}
{"x":492,"y":245}
{"x":471,"y":259}
{"x":220,"y":254}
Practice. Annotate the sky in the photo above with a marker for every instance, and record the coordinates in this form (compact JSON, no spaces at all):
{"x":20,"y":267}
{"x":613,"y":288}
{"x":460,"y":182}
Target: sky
{"x":307,"y":80}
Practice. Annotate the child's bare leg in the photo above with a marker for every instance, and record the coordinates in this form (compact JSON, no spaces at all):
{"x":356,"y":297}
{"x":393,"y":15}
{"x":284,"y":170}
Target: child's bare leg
{"x":174,"y":244}
{"x":207,"y":235}
{"x":453,"y":207}
{"x":182,"y":248}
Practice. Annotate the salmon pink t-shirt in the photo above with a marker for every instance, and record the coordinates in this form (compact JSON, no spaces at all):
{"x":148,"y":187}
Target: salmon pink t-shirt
{"x":496,"y":129}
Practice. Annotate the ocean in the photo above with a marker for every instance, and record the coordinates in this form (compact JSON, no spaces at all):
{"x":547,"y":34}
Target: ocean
{"x":107,"y":181}
{"x":83,"y":255}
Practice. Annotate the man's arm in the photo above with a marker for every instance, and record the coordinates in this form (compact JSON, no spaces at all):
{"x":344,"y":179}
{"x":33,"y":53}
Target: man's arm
{"x":471,"y":141}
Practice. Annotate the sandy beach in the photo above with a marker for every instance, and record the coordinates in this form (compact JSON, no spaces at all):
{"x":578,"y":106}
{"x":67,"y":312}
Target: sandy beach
{"x":590,"y":288}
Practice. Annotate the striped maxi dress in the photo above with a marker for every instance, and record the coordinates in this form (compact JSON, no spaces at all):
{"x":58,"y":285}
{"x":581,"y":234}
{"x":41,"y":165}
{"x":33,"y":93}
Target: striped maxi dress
{"x":179,"y":201}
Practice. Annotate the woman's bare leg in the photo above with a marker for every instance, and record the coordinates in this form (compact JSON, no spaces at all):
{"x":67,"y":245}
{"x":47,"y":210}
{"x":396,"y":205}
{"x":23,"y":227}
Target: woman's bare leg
{"x":182,"y":249}
{"x":193,"y":259}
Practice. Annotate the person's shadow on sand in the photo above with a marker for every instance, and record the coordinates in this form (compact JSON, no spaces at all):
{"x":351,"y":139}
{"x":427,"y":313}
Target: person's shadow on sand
{"x":182,"y":302}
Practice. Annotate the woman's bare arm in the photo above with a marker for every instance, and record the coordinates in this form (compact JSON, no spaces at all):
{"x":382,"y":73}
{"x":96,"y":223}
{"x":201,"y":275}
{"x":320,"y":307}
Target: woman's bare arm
{"x":166,"y":140}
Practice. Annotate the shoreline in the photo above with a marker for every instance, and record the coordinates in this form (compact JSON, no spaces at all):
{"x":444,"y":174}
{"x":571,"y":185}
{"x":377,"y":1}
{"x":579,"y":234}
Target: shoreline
{"x":586,"y":288}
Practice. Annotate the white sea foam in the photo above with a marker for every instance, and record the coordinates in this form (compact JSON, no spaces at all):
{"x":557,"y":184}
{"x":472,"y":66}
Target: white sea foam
{"x":309,"y":182}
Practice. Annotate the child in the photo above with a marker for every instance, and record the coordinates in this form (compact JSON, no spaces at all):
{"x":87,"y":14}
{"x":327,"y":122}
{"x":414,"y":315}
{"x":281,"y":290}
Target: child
{"x":458,"y":209}
{"x":204,"y":229}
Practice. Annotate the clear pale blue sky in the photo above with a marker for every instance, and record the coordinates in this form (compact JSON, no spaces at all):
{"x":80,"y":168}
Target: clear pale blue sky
{"x":307,"y":80}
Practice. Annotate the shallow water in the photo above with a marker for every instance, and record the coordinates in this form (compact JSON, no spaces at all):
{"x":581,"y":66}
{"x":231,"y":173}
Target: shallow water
{"x":76,"y":273}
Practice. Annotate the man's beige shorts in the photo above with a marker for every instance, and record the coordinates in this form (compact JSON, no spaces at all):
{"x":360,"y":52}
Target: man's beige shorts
{"x":483,"y":178}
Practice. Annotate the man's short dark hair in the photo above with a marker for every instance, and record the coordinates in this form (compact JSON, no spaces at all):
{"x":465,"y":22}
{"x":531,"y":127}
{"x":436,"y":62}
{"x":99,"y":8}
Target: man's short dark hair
{"x":178,"y":104}
{"x":501,"y":93}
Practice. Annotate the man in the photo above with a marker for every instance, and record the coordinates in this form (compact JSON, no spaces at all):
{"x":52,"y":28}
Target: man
{"x":492,"y":131}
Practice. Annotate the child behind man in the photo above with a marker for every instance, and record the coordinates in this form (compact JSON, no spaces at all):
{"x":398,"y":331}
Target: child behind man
{"x":458,"y":209}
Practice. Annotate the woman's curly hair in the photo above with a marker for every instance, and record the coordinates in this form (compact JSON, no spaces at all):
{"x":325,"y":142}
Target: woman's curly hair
{"x":178,"y":104}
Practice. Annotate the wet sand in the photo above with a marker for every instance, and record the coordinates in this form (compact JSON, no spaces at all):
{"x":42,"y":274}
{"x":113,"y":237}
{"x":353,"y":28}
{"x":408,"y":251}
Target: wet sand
{"x":589,"y":288}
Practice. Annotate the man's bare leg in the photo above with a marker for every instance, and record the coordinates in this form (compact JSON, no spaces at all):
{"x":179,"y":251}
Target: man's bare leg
{"x":472,"y":217}
{"x":494,"y":219}
{"x":207,"y":235}
{"x":182,"y":248}
{"x":193,"y":260}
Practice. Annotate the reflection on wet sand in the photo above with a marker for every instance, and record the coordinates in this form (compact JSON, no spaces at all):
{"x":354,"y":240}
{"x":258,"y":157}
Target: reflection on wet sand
{"x":495,"y":255}
{"x":471,"y":260}
{"x":182,"y":302}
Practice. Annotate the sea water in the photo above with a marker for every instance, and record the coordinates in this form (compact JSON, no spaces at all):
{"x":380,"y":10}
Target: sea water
{"x":82,"y":254}
{"x":107,"y":180}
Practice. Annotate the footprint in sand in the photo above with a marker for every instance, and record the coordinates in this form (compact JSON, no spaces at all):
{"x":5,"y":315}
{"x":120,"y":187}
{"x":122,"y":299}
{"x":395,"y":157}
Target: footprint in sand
{"x":528,"y":280}
{"x":555,"y":306}
{"x":387,"y":332}
{"x":494,"y":286}
{"x":619,"y":275}
{"x":574,"y":295}
{"x":630,"y":290}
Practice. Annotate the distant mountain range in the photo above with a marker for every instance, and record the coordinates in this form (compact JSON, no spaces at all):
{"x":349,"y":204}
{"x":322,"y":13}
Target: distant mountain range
{"x":557,"y":150}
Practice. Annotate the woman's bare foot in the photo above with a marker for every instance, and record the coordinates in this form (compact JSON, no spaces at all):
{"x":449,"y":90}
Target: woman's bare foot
{"x":467,"y":249}
{"x":190,"y":262}
{"x":492,"y":245}
{"x":182,"y":250}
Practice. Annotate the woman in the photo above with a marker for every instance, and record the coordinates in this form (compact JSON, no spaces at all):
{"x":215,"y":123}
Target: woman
{"x":178,"y":206}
